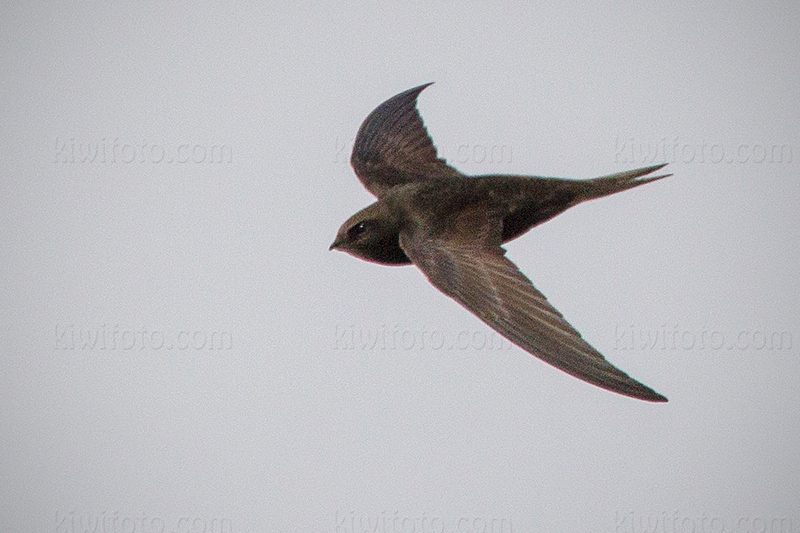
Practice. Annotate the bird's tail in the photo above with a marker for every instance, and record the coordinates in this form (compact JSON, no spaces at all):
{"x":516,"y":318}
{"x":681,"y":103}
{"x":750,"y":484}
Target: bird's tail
{"x":605,"y":185}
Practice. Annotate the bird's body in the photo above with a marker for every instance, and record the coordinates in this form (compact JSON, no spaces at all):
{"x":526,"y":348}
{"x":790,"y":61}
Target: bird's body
{"x":452,"y":227}
{"x":519,"y":203}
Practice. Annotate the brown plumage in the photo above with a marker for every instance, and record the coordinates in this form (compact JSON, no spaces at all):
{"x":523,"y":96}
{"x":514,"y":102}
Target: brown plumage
{"x":452,"y":227}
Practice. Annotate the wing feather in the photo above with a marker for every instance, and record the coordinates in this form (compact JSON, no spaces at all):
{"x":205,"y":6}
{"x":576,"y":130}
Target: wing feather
{"x":393,"y":147}
{"x":483,"y":280}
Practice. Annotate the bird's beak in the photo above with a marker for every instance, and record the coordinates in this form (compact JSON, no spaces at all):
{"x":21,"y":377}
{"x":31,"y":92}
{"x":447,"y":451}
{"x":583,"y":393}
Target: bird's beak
{"x":335,"y":244}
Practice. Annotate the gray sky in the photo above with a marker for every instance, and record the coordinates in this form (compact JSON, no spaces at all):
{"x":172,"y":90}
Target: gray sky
{"x":180,"y":351}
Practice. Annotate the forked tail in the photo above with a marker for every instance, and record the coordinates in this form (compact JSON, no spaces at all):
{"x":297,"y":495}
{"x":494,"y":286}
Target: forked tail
{"x":605,"y":185}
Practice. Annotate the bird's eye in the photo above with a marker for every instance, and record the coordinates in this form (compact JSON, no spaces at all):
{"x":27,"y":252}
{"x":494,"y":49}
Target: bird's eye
{"x":357,"y":230}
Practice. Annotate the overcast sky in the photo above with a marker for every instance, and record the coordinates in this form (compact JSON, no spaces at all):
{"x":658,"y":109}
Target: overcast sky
{"x":181,"y":352}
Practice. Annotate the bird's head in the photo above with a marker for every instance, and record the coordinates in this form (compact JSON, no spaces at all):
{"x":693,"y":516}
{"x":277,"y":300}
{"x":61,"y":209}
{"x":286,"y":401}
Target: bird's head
{"x":371,"y":234}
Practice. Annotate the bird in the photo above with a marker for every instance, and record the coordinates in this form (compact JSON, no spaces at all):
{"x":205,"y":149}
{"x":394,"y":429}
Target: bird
{"x":452,"y":227}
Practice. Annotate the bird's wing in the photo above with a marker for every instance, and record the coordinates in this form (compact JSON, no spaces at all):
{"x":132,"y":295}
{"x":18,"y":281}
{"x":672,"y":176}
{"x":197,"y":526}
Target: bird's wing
{"x":470,"y":266}
{"x":393,"y":147}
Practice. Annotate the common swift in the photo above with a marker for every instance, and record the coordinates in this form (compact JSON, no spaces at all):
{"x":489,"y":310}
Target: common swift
{"x":452,"y":226}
